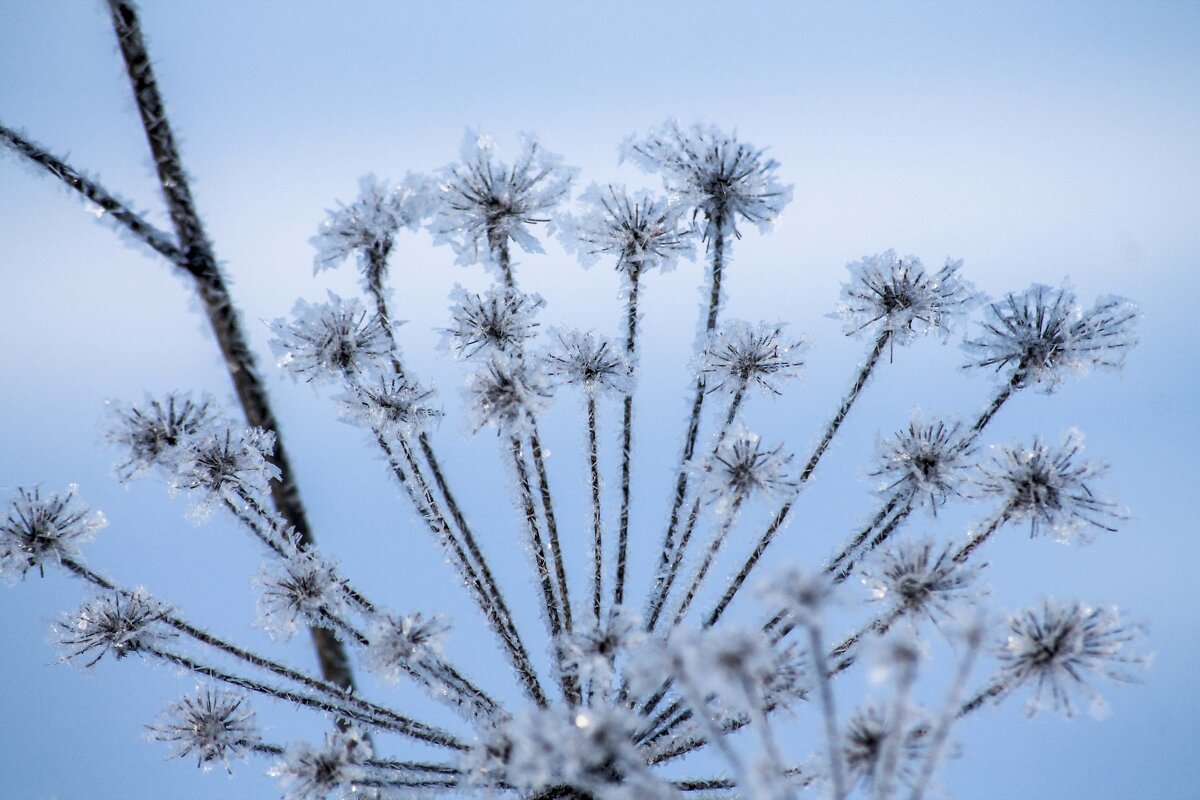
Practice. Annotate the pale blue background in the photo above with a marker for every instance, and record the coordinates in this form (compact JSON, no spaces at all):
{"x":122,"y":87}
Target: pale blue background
{"x":1036,"y":141}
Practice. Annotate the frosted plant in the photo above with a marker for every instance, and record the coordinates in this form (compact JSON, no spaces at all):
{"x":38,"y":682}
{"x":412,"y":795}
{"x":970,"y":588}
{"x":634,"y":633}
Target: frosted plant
{"x":700,"y":694}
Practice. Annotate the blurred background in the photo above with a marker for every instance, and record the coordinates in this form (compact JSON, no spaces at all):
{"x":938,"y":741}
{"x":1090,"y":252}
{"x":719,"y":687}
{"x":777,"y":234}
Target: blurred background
{"x":1044,"y":142}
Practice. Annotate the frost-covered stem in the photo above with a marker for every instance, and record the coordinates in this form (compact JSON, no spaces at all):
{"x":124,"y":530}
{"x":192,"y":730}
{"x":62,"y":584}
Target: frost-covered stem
{"x":766,"y":732}
{"x":560,"y":570}
{"x":597,"y":528}
{"x":429,"y":511}
{"x":834,"y":566}
{"x":662,"y":589}
{"x":255,"y":523}
{"x":997,"y":687}
{"x":503,"y":259}
{"x":878,"y":626}
{"x":999,"y":400}
{"x":993,"y":525}
{"x":631,"y":328}
{"x":714,"y":732}
{"x":717,"y":249}
{"x":889,"y":758}
{"x":413,"y":730}
{"x":829,"y":714}
{"x":90,"y":190}
{"x":781,"y":516}
{"x":376,"y":269}
{"x":709,"y":556}
{"x":200,"y":262}
{"x":879,"y":538}
{"x":941,"y":730}
{"x":536,"y":545}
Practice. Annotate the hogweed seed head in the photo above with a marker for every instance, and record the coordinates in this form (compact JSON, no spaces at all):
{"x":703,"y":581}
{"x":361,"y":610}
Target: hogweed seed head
{"x":867,"y":736}
{"x":400,"y":642}
{"x":484,"y":203}
{"x":505,"y":392}
{"x":115,"y":623}
{"x":368,"y":226}
{"x":41,"y":529}
{"x":595,"y":363}
{"x":1058,"y":646}
{"x":802,"y":595}
{"x":897,"y":295}
{"x":742,"y":466}
{"x":640,"y":231}
{"x":500,"y":320}
{"x":723,"y":179}
{"x":313,"y":773}
{"x":1043,"y":333}
{"x":214,"y":725}
{"x":918,"y":575}
{"x":1049,"y":486}
{"x":926,"y":463}
{"x":302,"y":589}
{"x":226,"y":466}
{"x":334,"y":341}
{"x":739,"y":354}
{"x":157,"y":433}
{"x":393,"y":406}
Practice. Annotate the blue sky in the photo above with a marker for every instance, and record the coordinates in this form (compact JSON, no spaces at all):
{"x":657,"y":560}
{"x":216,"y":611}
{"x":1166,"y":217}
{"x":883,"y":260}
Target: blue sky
{"x":1038,"y":142}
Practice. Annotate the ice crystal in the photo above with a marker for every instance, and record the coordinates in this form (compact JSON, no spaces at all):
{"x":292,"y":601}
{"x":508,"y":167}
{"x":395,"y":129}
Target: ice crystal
{"x":739,"y":354}
{"x":1043,"y":333}
{"x":742,"y":466}
{"x":504,"y":393}
{"x":303,"y":588}
{"x":336,"y":341}
{"x":918,"y":575}
{"x":157,"y":433}
{"x":723,"y":179}
{"x":115,"y":623}
{"x":926,"y":463}
{"x":1058,"y":646}
{"x":368,"y":226}
{"x":484,"y":203}
{"x":498,"y":321}
{"x":641,"y":231}
{"x":313,"y":773}
{"x":595,"y":363}
{"x":1049,"y":486}
{"x":897,"y":295}
{"x":400,"y":643}
{"x":214,"y":725}
{"x":41,"y":529}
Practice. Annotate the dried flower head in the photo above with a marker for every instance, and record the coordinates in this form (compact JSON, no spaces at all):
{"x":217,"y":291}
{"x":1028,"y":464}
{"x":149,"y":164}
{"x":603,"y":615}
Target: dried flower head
{"x":504,"y":393}
{"x":904,"y":299}
{"x":724,"y":179}
{"x":157,"y":433}
{"x":231,"y":465}
{"x":337,"y":340}
{"x":302,"y":589}
{"x":1049,"y":486}
{"x":590,"y":650}
{"x":368,"y":226}
{"x":736,"y":664}
{"x":1043,"y":333}
{"x":402,"y":642}
{"x":313,"y":773}
{"x":498,"y":321}
{"x":738,"y":354}
{"x":801,"y":594}
{"x":865,"y":740}
{"x":214,"y":725}
{"x":640,"y":231}
{"x":593,"y":362}
{"x":40,"y":529}
{"x":484,"y":203}
{"x":926,"y":463}
{"x":915,"y":574}
{"x":1056,"y":648}
{"x":392,"y":406}
{"x":117,"y":623}
{"x":742,"y":466}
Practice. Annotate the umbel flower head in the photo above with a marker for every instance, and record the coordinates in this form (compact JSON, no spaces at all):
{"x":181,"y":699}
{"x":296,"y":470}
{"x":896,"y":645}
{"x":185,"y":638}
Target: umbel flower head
{"x":927,"y":462}
{"x":738,"y":354}
{"x":214,"y":724}
{"x":228,"y":465}
{"x":640,"y":231}
{"x":723,"y":179}
{"x":867,"y":737}
{"x":504,"y":393}
{"x":500,"y":320}
{"x":1044,"y":333}
{"x":484,"y":203}
{"x":918,"y":575}
{"x":44,"y":529}
{"x":368,"y":226}
{"x":897,"y":295}
{"x":402,"y":642}
{"x":392,"y":406}
{"x":590,"y":361}
{"x":1049,"y":486}
{"x":313,"y":773}
{"x":337,"y":340}
{"x":303,"y":588}
{"x":157,"y":433}
{"x":742,"y":466}
{"x":1057,"y":646}
{"x":117,"y":623}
